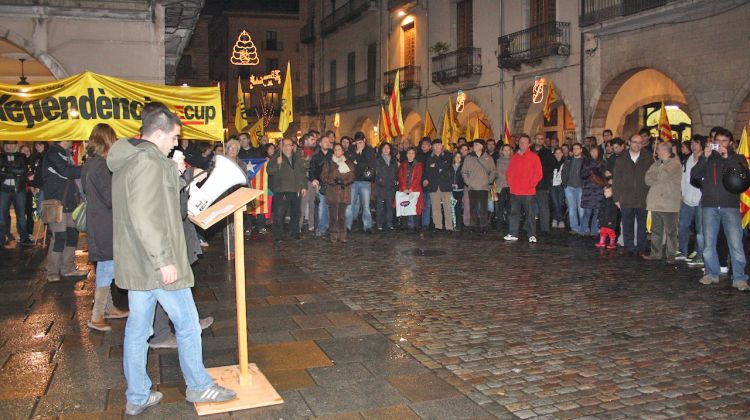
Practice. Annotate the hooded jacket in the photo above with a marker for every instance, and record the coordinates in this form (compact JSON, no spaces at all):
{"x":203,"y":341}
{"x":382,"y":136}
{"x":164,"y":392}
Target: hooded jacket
{"x":148,"y":232}
{"x":57,"y":171}
{"x":663,"y":178}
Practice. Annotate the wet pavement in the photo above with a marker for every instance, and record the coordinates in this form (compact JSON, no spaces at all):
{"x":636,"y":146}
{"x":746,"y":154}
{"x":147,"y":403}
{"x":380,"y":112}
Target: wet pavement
{"x":398,"y":326}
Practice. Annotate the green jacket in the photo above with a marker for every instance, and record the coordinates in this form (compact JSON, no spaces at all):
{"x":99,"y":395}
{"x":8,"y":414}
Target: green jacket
{"x":290,"y":176}
{"x":148,"y":231}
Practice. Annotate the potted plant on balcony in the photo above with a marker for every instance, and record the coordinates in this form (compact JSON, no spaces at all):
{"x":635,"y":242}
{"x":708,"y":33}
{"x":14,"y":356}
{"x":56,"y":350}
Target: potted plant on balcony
{"x":439,"y":48}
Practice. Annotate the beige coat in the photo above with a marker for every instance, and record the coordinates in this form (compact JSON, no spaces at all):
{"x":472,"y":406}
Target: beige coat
{"x":664,"y":178}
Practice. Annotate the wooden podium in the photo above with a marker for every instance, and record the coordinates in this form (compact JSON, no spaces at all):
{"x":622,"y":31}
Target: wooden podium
{"x":252,"y":387}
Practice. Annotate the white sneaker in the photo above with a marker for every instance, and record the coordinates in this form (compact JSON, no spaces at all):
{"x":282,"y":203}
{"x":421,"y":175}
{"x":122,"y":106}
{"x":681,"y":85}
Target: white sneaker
{"x":708,"y":280}
{"x":692,"y":255}
{"x":510,"y":237}
{"x":532,"y":239}
{"x":724,"y":270}
{"x":680,"y":257}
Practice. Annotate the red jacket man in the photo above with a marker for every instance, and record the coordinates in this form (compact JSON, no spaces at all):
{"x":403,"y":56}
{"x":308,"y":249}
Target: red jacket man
{"x":523,"y":173}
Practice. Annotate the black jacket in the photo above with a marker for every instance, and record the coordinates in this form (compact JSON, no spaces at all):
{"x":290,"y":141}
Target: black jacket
{"x":361,"y":161}
{"x":457,"y":179}
{"x":709,"y":174}
{"x":59,"y":171}
{"x":436,"y":172}
{"x":96,"y":180}
{"x":548,"y":166}
{"x":629,"y":180}
{"x":386,"y":176}
{"x":608,"y":213}
{"x":13,"y":167}
{"x":250,"y":153}
{"x":316,"y":165}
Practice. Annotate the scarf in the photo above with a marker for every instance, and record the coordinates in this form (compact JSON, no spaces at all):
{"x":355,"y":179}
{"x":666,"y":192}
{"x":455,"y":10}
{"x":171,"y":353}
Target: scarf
{"x":341,"y":161}
{"x":387,"y":159}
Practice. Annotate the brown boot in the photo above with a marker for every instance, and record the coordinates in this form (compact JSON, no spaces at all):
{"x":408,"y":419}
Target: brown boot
{"x":110,"y":310}
{"x":99,"y":325}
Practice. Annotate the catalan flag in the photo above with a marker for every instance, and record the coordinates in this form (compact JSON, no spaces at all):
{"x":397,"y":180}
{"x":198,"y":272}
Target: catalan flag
{"x":551,"y":98}
{"x":394,"y":110}
{"x":665,"y":129}
{"x":506,"y":133}
{"x":744,"y":150}
{"x":256,"y":173}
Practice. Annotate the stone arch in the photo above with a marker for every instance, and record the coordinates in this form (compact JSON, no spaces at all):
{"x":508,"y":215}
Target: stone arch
{"x":527,"y":117}
{"x":366,"y":125}
{"x":739,"y":110}
{"x":413,"y":127}
{"x":601,"y":102}
{"x":54,"y":66}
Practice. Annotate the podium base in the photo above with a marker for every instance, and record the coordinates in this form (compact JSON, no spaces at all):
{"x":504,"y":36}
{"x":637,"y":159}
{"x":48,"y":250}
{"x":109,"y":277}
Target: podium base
{"x":257,"y":393}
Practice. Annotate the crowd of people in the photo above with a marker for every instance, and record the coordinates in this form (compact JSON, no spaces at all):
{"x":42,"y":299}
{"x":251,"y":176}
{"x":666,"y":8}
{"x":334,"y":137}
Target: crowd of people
{"x":613,"y":190}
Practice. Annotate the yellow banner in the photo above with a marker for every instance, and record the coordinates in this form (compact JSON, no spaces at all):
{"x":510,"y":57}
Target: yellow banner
{"x":68,"y":109}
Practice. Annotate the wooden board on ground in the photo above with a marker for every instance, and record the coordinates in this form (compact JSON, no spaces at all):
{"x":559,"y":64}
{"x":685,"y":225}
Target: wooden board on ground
{"x":224,"y":207}
{"x":258,"y":393}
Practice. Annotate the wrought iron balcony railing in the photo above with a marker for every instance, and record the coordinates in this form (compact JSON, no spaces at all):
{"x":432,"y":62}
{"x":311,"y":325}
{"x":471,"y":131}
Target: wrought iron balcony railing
{"x":453,"y":66}
{"x":355,"y":94}
{"x":408,"y":78}
{"x":595,"y":11}
{"x":307,"y":33}
{"x":305,"y":104}
{"x":531,"y":44}
{"x":346,"y":13}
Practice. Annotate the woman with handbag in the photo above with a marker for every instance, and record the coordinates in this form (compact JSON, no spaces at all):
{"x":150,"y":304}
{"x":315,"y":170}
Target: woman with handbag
{"x":96,"y":180}
{"x":592,"y":174}
{"x":338,"y":176}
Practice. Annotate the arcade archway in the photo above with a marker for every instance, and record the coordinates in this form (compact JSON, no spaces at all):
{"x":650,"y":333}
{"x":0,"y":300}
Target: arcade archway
{"x":10,"y":65}
{"x":529,"y":117}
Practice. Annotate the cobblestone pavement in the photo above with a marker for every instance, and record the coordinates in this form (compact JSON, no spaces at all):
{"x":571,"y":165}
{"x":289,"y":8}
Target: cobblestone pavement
{"x":557,"y":329}
{"x":398,"y":326}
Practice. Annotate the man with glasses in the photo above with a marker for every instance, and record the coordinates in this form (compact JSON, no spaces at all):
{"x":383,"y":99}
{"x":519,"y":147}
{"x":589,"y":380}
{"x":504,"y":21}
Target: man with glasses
{"x":629,"y":191}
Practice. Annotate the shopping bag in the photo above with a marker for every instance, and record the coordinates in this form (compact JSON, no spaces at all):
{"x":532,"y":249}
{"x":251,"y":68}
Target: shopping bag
{"x":406,"y":203}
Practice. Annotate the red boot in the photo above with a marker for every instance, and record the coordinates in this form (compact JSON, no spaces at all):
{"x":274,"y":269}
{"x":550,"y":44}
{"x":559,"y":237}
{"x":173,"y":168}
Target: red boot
{"x":612,"y":242}
{"x":602,"y":241}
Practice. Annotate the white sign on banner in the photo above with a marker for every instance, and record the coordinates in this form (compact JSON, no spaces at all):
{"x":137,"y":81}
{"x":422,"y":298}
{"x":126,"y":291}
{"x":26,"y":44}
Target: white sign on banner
{"x":406,"y":203}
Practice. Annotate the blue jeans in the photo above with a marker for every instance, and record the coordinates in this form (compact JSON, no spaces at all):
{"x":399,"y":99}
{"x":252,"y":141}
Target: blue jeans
{"x":180,"y":306}
{"x":688,"y":215}
{"x":575,"y":212}
{"x":427,"y":209}
{"x":360,"y":198}
{"x":731,"y":221}
{"x":590,"y":218}
{"x":105,"y":273}
{"x":322,"y":214}
{"x":19,"y":204}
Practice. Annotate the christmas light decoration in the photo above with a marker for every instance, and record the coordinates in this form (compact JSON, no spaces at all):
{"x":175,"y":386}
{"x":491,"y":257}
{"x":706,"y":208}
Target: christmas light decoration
{"x":537,"y":92}
{"x":244,"y":52}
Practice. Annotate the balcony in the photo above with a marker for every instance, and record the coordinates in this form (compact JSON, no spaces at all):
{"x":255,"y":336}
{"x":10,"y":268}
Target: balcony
{"x":408,"y":80}
{"x":596,"y":11}
{"x":350,"y":11}
{"x":452,"y":67}
{"x":360,"y":93}
{"x":532,"y":44}
{"x":395,"y":4}
{"x":307,"y":33}
{"x":305,"y":104}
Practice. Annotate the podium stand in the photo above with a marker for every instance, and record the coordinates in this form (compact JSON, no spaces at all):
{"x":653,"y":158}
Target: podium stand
{"x":252,"y":387}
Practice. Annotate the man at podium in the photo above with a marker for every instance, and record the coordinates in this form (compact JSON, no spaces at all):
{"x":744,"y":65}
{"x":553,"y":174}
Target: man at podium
{"x":151,"y":259}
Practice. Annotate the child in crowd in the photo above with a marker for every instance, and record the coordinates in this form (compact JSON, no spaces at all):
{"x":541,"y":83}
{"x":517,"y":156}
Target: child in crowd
{"x":607,"y":220}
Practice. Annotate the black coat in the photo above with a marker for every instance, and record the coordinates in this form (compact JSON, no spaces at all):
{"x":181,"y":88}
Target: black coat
{"x":386,"y":176}
{"x":13,"y":166}
{"x":59,"y":171}
{"x":316,"y":165}
{"x":96,"y":180}
{"x":608,"y":214}
{"x":548,"y":166}
{"x":436,"y":172}
{"x":709,"y":173}
{"x":457,"y":178}
{"x":629,"y":180}
{"x":361,"y":161}
{"x":592,"y":194}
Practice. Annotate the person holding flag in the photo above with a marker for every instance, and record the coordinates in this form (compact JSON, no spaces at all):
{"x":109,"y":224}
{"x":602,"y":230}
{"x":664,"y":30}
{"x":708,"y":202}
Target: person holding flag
{"x":287,"y":113}
{"x":720,"y":207}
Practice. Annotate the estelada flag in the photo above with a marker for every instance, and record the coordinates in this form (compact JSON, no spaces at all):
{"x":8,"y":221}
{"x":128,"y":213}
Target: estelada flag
{"x":665,"y":130}
{"x":429,"y":126}
{"x":394,"y":110}
{"x":744,"y":150}
{"x":256,"y":173}
{"x":240,"y":113}
{"x":506,"y":134}
{"x":551,"y":98}
{"x":386,"y":122}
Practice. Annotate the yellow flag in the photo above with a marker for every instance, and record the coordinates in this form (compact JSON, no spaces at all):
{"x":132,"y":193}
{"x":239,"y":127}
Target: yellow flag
{"x":287,"y":114}
{"x":240,"y":116}
{"x":429,"y":126}
{"x":256,"y":132}
{"x":744,"y":150}
{"x":476,"y":130}
{"x":445,"y":134}
{"x":468,"y":131}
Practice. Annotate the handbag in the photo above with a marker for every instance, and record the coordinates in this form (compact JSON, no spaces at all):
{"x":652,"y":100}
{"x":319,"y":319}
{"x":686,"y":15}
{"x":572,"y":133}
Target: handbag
{"x":368,"y":174}
{"x":79,"y":216}
{"x":52,"y":210}
{"x":599,"y":180}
